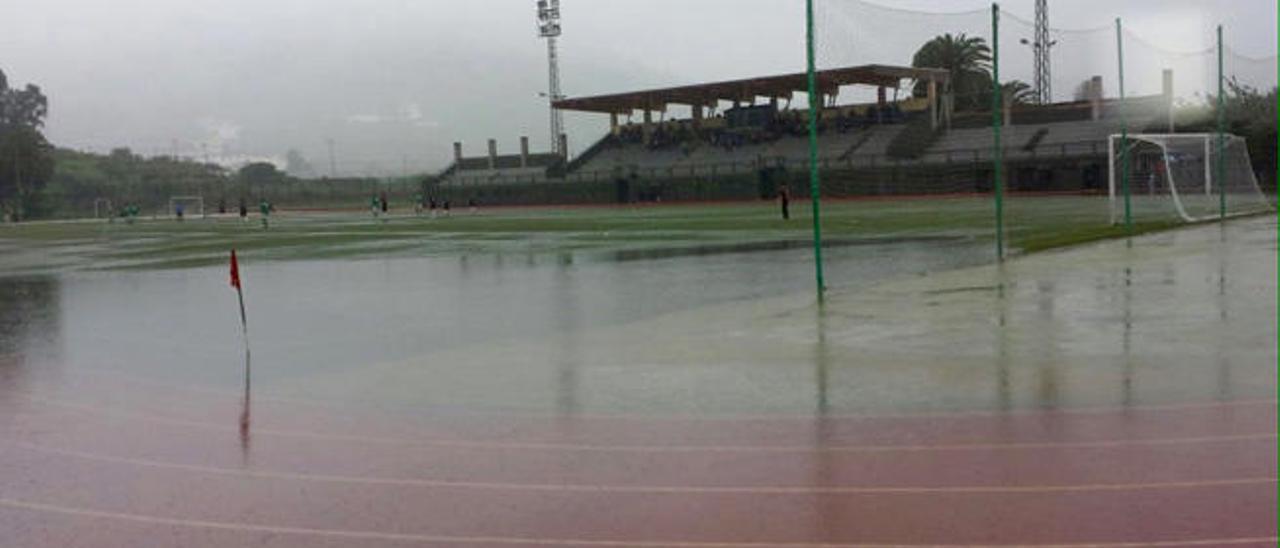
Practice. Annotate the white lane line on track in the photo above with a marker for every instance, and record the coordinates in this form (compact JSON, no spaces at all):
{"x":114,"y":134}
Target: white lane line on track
{"x":532,"y":541}
{"x":649,"y":489}
{"x":603,"y":448}
{"x":957,"y":415}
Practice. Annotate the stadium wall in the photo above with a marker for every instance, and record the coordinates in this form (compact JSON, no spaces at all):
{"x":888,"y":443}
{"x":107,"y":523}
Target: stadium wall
{"x":1085,"y":174}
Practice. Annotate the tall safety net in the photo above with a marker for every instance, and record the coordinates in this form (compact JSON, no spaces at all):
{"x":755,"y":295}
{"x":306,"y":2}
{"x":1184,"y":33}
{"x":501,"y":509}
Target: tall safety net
{"x":1198,"y":153}
{"x":898,"y":158}
{"x":906,"y":156}
{"x":1055,"y":151}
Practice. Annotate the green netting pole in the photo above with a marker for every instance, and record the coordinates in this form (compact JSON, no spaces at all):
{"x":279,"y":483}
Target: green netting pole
{"x":1222,"y":135}
{"x":997,"y":121}
{"x":1124,"y":136}
{"x":814,"y":180}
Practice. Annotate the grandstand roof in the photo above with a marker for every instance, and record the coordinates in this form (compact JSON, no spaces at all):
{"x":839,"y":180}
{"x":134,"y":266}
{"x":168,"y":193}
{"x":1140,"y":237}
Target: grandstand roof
{"x":783,"y":85}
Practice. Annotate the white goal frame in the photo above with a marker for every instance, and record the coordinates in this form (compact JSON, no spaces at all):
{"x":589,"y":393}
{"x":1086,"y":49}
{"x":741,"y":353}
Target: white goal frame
{"x":99,"y":209}
{"x":194,"y":199}
{"x":1159,"y":140}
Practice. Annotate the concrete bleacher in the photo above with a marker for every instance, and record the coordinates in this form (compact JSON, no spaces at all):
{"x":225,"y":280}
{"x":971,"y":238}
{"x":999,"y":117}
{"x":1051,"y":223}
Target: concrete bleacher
{"x":522,"y":167}
{"x":878,"y":144}
{"x":832,"y":145}
{"x":1066,"y":130}
{"x":1086,"y":137}
{"x":704,"y":158}
{"x":529,"y":174}
{"x":1064,"y":138}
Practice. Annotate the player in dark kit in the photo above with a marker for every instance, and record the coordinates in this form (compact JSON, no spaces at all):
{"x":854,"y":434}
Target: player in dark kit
{"x":784,"y":198}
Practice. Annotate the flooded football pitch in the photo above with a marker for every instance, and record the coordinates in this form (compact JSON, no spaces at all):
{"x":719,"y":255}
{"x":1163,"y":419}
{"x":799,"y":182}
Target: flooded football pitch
{"x":911,"y":326}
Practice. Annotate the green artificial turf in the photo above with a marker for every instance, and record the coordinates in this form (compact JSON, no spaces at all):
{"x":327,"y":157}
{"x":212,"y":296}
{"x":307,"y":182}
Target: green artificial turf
{"x":1033,"y":224}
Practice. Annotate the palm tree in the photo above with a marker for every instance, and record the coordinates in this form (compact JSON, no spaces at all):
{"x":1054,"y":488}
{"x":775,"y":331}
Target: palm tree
{"x":967,"y":59}
{"x":1017,"y":92}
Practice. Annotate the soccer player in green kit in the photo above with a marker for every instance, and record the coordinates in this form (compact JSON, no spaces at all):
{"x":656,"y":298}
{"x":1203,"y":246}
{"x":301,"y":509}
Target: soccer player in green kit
{"x":265,"y":209}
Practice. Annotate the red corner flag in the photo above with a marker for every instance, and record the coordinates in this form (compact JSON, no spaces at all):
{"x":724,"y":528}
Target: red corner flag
{"x":244,"y":330}
{"x":235,"y":271}
{"x":235,"y":282}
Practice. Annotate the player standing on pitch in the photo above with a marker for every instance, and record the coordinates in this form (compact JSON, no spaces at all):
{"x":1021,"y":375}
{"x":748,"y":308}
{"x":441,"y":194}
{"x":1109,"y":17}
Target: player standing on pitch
{"x":784,"y":199}
{"x":265,"y":209}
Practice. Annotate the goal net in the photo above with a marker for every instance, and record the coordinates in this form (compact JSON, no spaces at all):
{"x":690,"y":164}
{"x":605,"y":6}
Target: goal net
{"x":186,"y":207}
{"x":1185,"y":176}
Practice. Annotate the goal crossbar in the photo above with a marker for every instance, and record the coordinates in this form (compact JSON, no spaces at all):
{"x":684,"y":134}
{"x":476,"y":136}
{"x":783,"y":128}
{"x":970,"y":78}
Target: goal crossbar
{"x":198,"y":201}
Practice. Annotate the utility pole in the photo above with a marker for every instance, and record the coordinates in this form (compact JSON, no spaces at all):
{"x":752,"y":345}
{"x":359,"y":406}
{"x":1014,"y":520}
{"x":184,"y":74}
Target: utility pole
{"x":549,"y":28}
{"x":1042,"y":46}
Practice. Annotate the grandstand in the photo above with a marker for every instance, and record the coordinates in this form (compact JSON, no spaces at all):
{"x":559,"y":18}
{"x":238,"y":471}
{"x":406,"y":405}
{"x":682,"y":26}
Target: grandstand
{"x":741,"y":136}
{"x":500,"y":168}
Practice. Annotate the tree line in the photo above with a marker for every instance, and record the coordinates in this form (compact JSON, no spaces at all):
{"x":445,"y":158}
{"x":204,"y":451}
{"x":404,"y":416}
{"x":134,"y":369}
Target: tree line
{"x":125,"y":178}
{"x":26,"y":158}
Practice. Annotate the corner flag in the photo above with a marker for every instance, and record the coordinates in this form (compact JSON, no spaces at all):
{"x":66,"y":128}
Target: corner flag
{"x":235,"y":282}
{"x":244,"y":327}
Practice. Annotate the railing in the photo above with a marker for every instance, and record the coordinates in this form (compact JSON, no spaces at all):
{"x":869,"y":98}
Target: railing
{"x":1016,"y":152}
{"x":453,"y":168}
{"x":914,"y":140}
{"x":591,"y":152}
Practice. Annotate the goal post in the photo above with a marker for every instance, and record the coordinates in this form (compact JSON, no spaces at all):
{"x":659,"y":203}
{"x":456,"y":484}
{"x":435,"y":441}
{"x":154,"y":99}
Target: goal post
{"x":189,"y":206}
{"x":102,"y":208}
{"x":1183,"y":175}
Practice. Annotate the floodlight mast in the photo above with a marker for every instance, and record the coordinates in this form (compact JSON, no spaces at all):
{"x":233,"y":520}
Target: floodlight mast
{"x":1042,"y":45}
{"x":549,"y":28}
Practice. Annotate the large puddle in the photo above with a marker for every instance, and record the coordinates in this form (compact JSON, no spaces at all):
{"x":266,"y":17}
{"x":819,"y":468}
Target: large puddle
{"x":317,"y":317}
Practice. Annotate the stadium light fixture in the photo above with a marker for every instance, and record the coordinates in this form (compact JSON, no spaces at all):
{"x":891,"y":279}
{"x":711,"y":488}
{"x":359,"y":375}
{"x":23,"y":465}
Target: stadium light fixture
{"x":1041,"y":47}
{"x":548,"y":18}
{"x":1026,"y":42}
{"x":549,"y":29}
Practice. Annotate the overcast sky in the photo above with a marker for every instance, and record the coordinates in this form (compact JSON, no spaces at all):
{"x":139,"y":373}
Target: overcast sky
{"x":395,"y":82}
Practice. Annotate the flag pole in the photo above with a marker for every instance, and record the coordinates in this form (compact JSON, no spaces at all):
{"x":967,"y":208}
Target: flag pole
{"x":244,"y":323}
{"x":244,"y":331}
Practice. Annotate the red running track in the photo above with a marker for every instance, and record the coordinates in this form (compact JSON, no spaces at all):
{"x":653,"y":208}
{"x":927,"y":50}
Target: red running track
{"x":115,"y":463}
